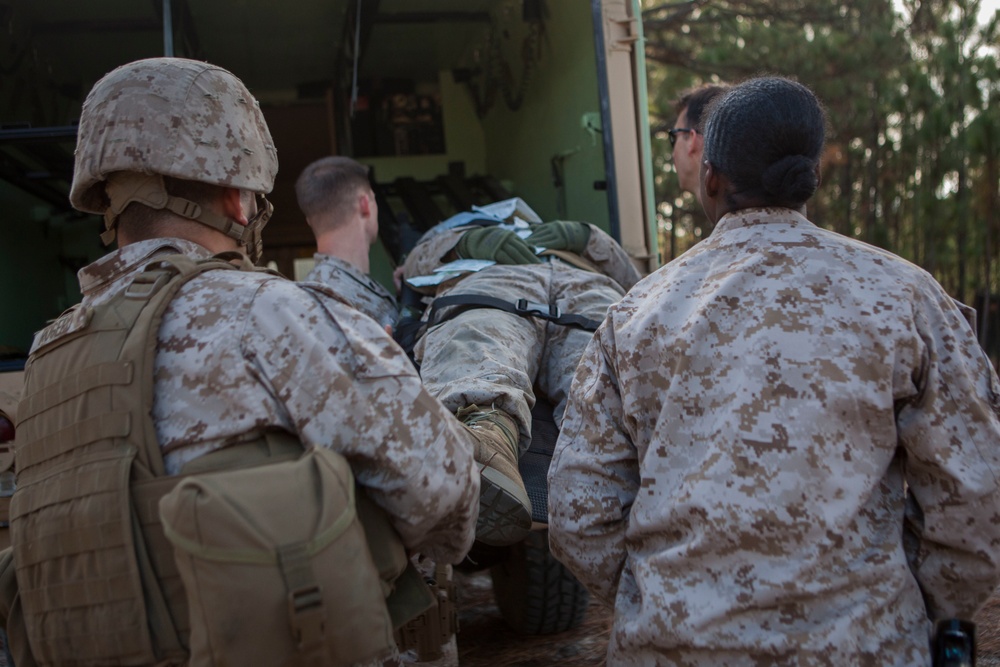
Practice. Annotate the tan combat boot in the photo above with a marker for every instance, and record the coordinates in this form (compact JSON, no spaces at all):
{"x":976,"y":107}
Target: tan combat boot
{"x":504,"y":506}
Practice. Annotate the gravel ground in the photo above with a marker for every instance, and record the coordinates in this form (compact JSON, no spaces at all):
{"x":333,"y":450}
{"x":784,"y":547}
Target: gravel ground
{"x":484,"y":640}
{"x":988,"y":633}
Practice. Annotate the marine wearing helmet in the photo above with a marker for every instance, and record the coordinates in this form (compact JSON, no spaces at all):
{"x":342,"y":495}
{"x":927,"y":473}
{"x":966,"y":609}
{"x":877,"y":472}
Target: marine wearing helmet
{"x":167,"y":133}
{"x":183,"y":365}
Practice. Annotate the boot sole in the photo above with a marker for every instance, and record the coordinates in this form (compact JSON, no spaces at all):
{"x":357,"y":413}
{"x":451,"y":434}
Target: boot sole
{"x":504,"y":510}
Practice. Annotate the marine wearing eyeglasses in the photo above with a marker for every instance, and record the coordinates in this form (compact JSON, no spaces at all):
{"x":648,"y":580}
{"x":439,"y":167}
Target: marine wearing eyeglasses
{"x":685,"y":139}
{"x":674,"y":131}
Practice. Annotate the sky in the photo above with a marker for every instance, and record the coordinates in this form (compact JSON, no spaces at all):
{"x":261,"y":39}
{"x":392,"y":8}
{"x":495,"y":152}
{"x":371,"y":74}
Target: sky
{"x":987,"y":8}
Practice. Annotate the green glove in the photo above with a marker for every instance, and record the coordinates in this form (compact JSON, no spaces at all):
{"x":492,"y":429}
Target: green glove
{"x":561,"y":235}
{"x":500,"y":245}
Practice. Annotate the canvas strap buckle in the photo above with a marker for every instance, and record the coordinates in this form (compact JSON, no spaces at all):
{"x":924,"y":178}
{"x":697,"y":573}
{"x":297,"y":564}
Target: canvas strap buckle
{"x":149,"y":282}
{"x":305,"y":610}
{"x":305,"y":596}
{"x":547,"y":311}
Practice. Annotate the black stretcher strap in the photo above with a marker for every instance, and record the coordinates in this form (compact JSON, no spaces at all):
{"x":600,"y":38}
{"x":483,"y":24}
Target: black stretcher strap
{"x":522,"y":307}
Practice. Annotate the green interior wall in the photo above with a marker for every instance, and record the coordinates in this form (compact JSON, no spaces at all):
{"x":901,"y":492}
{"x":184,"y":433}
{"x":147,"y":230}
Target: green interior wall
{"x":517,"y":146}
{"x":563,"y":88}
{"x":463,"y":141}
{"x":381,"y":266}
{"x":38,"y":261}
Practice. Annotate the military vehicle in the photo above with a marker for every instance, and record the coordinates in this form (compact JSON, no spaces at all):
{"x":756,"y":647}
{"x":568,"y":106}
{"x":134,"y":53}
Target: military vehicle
{"x":452,"y":103}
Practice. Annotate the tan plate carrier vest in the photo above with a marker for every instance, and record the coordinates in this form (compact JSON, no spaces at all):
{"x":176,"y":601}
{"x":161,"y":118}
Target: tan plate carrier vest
{"x":96,"y":575}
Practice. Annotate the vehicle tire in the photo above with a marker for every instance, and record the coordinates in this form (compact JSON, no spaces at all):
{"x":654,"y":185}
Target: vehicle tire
{"x":536,"y":594}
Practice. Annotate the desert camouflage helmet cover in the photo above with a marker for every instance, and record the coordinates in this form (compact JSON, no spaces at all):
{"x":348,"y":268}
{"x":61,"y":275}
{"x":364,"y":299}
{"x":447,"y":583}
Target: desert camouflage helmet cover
{"x":173,"y":117}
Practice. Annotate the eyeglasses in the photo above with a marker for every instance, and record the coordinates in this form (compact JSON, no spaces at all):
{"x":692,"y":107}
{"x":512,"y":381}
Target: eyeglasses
{"x":674,"y":131}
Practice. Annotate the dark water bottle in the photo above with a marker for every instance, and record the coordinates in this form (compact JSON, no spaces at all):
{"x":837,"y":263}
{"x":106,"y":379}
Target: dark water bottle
{"x":954,"y":643}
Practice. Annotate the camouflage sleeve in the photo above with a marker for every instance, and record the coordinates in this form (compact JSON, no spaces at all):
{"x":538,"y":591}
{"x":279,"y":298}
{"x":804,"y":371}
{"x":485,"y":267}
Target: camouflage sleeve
{"x":602,"y":251}
{"x":346,"y":385}
{"x":607,"y":255}
{"x":430,"y":254}
{"x":950,"y":429}
{"x":594,"y":476}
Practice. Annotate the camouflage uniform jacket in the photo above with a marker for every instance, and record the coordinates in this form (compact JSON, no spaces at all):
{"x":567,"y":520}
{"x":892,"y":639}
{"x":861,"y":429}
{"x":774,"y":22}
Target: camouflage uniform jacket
{"x":239,"y":352}
{"x":356,"y":288}
{"x":602,"y":251}
{"x":739,"y":436}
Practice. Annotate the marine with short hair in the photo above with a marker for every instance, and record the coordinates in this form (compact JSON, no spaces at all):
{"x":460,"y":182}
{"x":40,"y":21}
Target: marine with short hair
{"x":337,"y":199}
{"x":687,"y":135}
{"x":335,"y":195}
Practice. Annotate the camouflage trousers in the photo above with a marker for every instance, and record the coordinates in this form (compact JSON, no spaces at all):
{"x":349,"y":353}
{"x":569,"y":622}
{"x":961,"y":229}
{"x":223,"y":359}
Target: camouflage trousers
{"x":489,"y":357}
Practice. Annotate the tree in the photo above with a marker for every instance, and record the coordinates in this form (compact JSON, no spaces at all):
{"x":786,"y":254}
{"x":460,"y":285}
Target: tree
{"x":914,"y":126}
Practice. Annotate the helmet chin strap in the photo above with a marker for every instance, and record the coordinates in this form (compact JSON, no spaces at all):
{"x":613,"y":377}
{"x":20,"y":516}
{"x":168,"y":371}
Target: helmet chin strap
{"x":254,"y":246}
{"x":125,"y":187}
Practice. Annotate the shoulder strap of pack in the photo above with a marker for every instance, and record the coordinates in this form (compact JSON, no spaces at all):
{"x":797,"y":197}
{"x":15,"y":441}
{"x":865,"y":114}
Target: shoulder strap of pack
{"x":158,"y":284}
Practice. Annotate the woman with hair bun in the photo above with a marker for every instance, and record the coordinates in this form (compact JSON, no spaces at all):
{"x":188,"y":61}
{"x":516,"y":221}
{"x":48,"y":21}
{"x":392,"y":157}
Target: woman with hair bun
{"x":782,"y":448}
{"x":766,"y":143}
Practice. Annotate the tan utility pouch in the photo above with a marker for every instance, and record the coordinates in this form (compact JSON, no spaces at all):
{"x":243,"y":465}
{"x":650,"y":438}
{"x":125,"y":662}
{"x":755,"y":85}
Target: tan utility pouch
{"x":274,"y":542}
{"x":6,"y":491}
